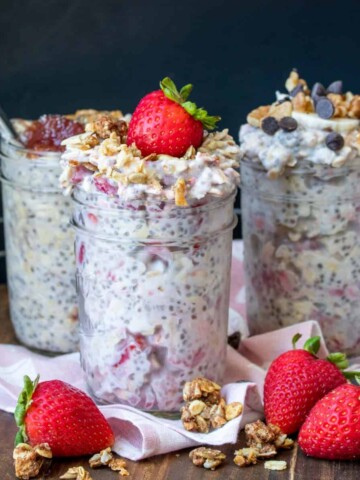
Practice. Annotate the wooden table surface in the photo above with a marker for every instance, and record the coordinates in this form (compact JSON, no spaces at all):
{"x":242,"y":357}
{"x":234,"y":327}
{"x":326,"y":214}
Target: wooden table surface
{"x":173,"y":466}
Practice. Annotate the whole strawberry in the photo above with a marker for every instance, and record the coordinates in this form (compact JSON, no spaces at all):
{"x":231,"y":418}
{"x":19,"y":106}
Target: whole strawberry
{"x":67,"y":419}
{"x":296,"y":380}
{"x":332,"y":430}
{"x":165,"y":122}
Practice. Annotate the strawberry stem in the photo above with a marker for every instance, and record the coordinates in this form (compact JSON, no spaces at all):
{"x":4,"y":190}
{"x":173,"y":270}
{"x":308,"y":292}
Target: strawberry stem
{"x":169,"y":88}
{"x":24,"y":402}
{"x":295,"y":339}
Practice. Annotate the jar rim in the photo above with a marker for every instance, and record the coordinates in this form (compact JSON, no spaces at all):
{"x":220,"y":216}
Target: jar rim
{"x":41,"y":157}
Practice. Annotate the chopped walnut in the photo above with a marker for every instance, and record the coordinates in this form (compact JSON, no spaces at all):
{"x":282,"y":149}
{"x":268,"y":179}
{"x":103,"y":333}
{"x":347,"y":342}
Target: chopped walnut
{"x":180,"y":191}
{"x":294,"y":80}
{"x":255,"y":117}
{"x":104,"y":126}
{"x":207,"y":457}
{"x":245,"y":457}
{"x":275,"y":465}
{"x":76,"y":473}
{"x":354,"y":107}
{"x":29,"y":460}
{"x":302,"y":103}
{"x":280,"y":110}
{"x":340,"y":104}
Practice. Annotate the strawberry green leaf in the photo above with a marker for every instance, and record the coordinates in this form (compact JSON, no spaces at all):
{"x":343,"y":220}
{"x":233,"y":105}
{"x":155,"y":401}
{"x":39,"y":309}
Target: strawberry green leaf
{"x":338,"y":359}
{"x":295,"y":339}
{"x":312,"y":345}
{"x":169,"y":88}
{"x":24,"y":401}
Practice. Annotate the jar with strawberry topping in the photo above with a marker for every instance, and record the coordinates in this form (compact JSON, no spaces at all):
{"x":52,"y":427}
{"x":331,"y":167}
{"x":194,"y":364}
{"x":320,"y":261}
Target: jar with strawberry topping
{"x":300,"y":208}
{"x":153,"y":255}
{"x":38,"y":238}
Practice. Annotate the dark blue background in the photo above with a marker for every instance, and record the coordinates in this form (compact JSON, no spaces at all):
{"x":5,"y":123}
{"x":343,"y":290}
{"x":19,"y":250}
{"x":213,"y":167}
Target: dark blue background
{"x":57,"y":55}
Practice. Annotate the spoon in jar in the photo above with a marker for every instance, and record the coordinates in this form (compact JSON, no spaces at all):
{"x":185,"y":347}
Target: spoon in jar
{"x":7,"y":129}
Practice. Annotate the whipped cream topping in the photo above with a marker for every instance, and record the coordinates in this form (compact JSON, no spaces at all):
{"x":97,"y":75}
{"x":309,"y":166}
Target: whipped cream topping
{"x":109,"y":166}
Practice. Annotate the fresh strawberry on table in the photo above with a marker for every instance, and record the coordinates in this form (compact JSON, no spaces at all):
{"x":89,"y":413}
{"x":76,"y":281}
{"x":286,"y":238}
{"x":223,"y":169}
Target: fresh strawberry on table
{"x":66,"y":418}
{"x":332,"y":429}
{"x":165,"y":122}
{"x":296,"y":380}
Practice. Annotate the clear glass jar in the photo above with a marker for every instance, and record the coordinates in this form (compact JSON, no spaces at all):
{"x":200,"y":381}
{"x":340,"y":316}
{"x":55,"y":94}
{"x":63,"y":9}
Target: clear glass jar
{"x":302,"y":249}
{"x":153,"y":289}
{"x":39,"y":245}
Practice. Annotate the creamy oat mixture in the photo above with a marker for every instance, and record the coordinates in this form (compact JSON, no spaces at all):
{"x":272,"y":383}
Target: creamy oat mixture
{"x":300,"y":203}
{"x":153,"y":274}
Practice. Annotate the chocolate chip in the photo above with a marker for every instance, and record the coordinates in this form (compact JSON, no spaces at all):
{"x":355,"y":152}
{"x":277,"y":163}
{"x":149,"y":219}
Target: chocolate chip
{"x":270,"y":125}
{"x":334,"y":141}
{"x":299,"y":88}
{"x":288,"y":124}
{"x":318,"y":91}
{"x":335,"y":87}
{"x":234,"y":340}
{"x":325,"y":108}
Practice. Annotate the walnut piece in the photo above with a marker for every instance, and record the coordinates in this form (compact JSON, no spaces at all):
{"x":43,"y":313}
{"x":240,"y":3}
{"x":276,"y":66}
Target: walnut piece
{"x":207,"y":457}
{"x":255,"y":117}
{"x":280,"y":110}
{"x":76,"y":473}
{"x":294,"y":80}
{"x":340,"y":104}
{"x":104,"y":126}
{"x":29,"y":460}
{"x":302,"y":103}
{"x":275,"y":465}
{"x":119,"y":465}
{"x":354,"y":107}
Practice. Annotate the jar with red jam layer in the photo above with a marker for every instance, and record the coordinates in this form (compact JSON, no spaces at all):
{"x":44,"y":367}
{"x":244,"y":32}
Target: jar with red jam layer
{"x":39,"y":241}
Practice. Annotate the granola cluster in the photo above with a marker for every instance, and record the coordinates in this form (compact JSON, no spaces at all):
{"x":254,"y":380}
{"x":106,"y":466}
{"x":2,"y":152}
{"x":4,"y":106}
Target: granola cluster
{"x":207,"y":457}
{"x":263,"y":441}
{"x":30,"y":460}
{"x":76,"y":473}
{"x":205,"y":408}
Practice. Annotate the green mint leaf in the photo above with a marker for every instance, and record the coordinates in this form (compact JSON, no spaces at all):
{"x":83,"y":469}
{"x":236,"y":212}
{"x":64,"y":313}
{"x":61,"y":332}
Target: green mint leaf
{"x":312,"y":345}
{"x":295,"y":339}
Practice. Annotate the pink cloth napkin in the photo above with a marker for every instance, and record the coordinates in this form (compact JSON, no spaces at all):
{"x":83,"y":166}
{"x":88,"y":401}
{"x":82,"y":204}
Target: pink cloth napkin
{"x":140,"y":435}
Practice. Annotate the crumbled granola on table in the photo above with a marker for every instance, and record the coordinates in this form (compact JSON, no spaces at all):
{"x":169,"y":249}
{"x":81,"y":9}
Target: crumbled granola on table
{"x":106,"y":459}
{"x":76,"y":473}
{"x":29,"y":460}
{"x":263,"y":442}
{"x":207,"y":457}
{"x":205,"y":408}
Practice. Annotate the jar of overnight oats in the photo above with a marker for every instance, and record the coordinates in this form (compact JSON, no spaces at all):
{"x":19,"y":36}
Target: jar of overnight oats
{"x":38,"y":237}
{"x":153,"y":255}
{"x":300,"y":173}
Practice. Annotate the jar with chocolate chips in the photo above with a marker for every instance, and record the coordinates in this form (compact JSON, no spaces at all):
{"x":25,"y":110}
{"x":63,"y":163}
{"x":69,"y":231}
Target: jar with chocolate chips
{"x":300,"y":207}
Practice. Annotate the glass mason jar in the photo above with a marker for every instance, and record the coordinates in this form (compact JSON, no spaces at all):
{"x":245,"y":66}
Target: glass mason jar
{"x":153,"y":289}
{"x":302,"y":249}
{"x":39,"y":249}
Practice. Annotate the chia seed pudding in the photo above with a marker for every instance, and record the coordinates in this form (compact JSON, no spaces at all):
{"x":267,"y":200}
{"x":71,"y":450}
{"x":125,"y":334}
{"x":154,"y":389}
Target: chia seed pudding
{"x":153,"y":254}
{"x":300,"y":208}
{"x":38,"y":238}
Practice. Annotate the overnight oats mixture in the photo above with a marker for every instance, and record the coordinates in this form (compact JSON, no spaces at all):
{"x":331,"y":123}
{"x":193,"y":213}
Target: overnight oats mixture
{"x":153,"y":252}
{"x":39,"y":239}
{"x":300,"y":172}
